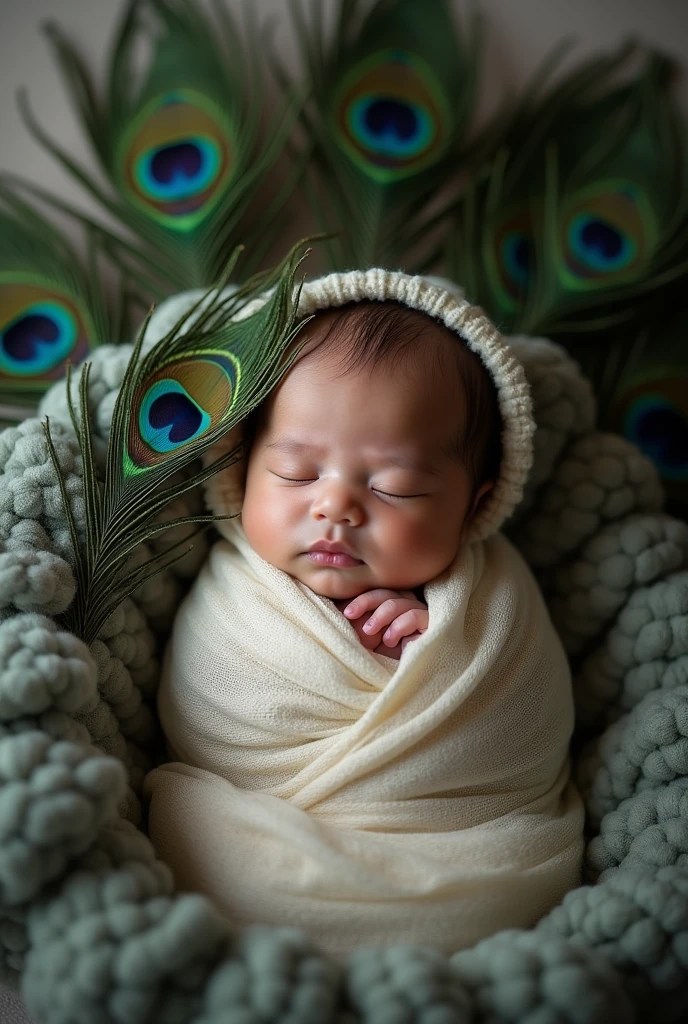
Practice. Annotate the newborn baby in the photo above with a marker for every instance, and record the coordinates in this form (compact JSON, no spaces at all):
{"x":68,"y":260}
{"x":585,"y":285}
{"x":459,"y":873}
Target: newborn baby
{"x":366,"y":703}
{"x":368,"y":463}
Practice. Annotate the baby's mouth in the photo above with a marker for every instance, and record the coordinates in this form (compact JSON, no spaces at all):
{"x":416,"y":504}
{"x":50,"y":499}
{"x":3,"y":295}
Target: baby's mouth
{"x":334,"y":559}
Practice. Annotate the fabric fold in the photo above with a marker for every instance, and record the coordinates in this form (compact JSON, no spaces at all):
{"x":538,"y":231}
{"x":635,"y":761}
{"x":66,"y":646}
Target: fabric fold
{"x":329,"y":788}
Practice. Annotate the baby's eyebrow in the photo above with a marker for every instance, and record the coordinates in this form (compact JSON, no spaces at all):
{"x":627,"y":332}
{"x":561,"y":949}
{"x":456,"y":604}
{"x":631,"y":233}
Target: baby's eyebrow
{"x":290,"y":446}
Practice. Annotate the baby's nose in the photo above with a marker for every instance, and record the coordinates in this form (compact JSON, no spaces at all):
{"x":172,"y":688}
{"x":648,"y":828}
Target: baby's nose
{"x":337,"y":503}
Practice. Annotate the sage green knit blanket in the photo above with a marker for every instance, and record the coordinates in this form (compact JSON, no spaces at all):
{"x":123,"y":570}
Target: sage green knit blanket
{"x":90,"y":925}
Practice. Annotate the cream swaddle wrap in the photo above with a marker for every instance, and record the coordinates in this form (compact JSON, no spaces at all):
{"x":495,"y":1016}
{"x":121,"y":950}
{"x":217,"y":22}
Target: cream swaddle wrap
{"x":367,"y":800}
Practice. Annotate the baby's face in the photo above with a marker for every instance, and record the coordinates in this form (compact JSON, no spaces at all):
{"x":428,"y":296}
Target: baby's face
{"x":360,"y":460}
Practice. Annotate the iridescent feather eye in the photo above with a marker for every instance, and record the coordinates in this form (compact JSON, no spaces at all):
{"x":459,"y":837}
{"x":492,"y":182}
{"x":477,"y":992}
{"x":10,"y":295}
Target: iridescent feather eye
{"x":654,"y":415}
{"x":40,"y":328}
{"x":176,"y":159}
{"x":178,"y":404}
{"x":608,"y":234}
{"x":510,"y":258}
{"x":391,"y":116}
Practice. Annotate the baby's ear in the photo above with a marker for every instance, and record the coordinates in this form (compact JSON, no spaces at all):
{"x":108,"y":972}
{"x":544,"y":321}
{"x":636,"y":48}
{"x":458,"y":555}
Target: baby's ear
{"x":479,"y":499}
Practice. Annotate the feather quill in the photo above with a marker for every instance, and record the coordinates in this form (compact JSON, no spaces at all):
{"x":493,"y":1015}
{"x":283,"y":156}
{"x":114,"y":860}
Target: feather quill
{"x":215,"y":366}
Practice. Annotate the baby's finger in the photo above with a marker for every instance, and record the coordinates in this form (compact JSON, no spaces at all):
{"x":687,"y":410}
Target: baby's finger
{"x":364,"y":602}
{"x":409,"y":622}
{"x":387,"y":612}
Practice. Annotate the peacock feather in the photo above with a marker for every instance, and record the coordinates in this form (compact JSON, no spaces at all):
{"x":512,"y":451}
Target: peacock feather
{"x":644,"y":395}
{"x":179,"y":143}
{"x":584,"y":212}
{"x":213,"y":368}
{"x":51,"y":310}
{"x":392,"y":95}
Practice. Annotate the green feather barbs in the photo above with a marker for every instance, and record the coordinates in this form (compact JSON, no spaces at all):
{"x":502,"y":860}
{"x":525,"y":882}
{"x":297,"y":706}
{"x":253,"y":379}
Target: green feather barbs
{"x":647,"y":397}
{"x":392,"y":93}
{"x":583,"y":209}
{"x":180,"y":143}
{"x":217,"y":364}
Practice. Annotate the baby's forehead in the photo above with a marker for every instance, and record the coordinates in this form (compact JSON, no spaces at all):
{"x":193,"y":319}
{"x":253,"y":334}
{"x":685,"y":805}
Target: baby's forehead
{"x":383,"y":335}
{"x":371,"y":315}
{"x":419,"y":360}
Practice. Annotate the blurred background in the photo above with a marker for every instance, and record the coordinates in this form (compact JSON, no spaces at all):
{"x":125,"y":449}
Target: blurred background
{"x":519,"y":35}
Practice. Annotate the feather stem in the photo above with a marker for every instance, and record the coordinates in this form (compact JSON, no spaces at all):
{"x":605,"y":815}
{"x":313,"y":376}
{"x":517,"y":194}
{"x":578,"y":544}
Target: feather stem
{"x":79,"y":567}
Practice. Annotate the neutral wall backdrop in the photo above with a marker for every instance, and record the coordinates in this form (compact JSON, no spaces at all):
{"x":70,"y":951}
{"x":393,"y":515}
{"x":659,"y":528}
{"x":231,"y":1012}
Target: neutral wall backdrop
{"x":520,"y":33}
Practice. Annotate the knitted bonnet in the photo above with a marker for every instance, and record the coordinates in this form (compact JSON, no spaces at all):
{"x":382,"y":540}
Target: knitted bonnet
{"x":443,"y":302}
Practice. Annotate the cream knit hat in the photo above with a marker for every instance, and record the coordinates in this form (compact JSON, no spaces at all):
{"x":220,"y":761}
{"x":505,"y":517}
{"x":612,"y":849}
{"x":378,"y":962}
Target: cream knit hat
{"x":444,"y":302}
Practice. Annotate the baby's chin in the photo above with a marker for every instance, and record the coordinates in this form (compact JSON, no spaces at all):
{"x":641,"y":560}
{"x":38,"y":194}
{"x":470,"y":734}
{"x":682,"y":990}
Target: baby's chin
{"x":337,"y":589}
{"x":341,"y":584}
{"x":336,"y":583}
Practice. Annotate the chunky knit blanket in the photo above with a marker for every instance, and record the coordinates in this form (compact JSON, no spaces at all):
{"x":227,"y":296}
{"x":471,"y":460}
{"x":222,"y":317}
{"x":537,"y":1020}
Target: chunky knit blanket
{"x":90,"y":924}
{"x":359,"y":798}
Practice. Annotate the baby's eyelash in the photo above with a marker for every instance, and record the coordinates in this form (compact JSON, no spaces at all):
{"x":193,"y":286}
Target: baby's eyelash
{"x":388,"y":495}
{"x":401,"y":497}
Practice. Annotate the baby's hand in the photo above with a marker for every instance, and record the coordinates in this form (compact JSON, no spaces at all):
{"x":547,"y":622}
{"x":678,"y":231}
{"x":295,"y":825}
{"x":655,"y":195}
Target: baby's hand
{"x":405,"y":617}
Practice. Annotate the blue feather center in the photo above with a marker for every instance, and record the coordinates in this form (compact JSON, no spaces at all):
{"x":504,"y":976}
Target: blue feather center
{"x":180,"y":169}
{"x":517,"y":250}
{"x":169,"y":417}
{"x":655,"y":424}
{"x":34,"y":342}
{"x":599,"y":244}
{"x":390,"y":126}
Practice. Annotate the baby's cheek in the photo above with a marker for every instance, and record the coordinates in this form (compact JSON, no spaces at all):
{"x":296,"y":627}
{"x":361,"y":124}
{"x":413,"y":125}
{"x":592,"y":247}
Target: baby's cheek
{"x":428,"y":545}
{"x":269,"y":524}
{"x":259,"y":518}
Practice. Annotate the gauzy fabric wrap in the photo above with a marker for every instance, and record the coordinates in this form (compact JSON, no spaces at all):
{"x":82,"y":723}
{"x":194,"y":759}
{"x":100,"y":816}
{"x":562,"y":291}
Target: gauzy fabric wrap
{"x":365,"y":800}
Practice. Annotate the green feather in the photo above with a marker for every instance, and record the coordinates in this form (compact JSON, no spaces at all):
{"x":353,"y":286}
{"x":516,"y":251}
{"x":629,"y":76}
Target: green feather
{"x":392,"y":96}
{"x":194,"y":386}
{"x":179,"y":144}
{"x":643,"y":394}
{"x":583,"y":211}
{"x":52,"y":305}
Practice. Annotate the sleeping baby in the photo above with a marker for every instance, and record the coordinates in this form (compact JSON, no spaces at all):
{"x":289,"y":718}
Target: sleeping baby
{"x":366,"y":705}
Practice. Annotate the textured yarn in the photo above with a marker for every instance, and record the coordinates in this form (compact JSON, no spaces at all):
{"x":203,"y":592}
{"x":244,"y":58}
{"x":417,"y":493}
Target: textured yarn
{"x":359,"y":797}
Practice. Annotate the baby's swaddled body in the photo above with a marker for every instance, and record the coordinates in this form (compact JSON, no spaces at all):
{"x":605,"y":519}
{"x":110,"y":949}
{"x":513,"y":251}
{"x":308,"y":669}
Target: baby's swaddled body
{"x":368,"y":801}
{"x":316,"y":783}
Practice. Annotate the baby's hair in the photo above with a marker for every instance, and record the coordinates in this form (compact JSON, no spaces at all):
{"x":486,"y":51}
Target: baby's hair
{"x":373,"y":333}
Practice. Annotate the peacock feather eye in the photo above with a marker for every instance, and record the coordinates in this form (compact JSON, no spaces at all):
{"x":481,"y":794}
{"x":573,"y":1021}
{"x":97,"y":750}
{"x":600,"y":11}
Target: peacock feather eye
{"x":176,"y":159}
{"x":510,"y":258}
{"x":391,"y":116}
{"x":607,"y":236}
{"x":177,"y":405}
{"x":40,"y":328}
{"x":654,"y":416}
